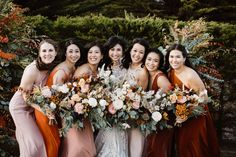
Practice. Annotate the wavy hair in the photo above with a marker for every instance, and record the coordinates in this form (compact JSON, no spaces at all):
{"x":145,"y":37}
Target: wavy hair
{"x":111,"y":42}
{"x":126,"y":61}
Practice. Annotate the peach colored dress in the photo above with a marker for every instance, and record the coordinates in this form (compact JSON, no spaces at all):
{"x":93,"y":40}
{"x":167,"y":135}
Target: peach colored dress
{"x":27,"y":132}
{"x":79,"y":143}
{"x":197,"y":136}
{"x":50,"y":132}
{"x":159,"y":144}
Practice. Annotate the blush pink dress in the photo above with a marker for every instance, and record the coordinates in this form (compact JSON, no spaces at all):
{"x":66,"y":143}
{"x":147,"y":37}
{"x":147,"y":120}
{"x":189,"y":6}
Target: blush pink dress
{"x":27,"y":132}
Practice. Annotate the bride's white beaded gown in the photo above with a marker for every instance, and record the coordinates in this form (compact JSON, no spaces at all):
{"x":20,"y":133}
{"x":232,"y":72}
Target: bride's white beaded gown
{"x":113,"y":142}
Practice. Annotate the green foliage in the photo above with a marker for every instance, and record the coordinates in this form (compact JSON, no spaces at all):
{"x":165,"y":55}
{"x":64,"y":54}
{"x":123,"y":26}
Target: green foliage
{"x":14,"y":35}
{"x":223,"y":32}
{"x":41,"y":24}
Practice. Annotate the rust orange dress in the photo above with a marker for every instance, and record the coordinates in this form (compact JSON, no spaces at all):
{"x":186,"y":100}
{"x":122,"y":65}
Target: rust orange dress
{"x":197,"y":136}
{"x":159,"y":144}
{"x":50,"y":132}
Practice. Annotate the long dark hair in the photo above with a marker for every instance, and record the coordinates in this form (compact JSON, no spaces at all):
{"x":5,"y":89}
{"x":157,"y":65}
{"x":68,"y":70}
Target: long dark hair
{"x":111,"y":42}
{"x":90,"y":45}
{"x":127,"y":58}
{"x":76,"y":42}
{"x":182,"y":49}
{"x":39,"y":63}
{"x":161,"y":56}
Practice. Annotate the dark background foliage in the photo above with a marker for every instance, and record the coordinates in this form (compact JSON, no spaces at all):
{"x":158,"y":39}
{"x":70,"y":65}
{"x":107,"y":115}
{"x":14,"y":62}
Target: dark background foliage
{"x":213,"y":10}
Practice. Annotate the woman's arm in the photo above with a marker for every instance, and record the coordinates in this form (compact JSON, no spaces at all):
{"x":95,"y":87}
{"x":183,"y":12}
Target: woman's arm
{"x":163,"y":83}
{"x":28,"y":79}
{"x":142,"y":78}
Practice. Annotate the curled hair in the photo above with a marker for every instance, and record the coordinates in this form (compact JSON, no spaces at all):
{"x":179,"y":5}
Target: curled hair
{"x":111,"y":42}
{"x":126,"y":61}
{"x":69,"y":42}
{"x":180,"y":48}
{"x":40,"y":64}
{"x":161,"y":56}
{"x":90,"y":45}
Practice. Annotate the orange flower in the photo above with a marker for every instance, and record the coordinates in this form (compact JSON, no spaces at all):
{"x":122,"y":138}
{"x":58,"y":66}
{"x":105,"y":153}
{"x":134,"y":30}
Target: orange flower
{"x":4,"y":39}
{"x":181,"y":110}
{"x":7,"y":56}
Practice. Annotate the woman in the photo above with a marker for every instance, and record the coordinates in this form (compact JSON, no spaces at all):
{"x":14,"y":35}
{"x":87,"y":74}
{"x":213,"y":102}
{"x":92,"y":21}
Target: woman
{"x":136,"y":74}
{"x":82,"y":143}
{"x":35,"y":74}
{"x":113,"y":142}
{"x":158,"y":144}
{"x":197,"y":136}
{"x":61,"y":73}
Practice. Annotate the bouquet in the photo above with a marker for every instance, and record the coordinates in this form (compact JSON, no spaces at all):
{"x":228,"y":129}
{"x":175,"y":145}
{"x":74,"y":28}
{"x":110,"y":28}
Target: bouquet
{"x":186,"y":104}
{"x":47,"y":100}
{"x":158,"y":108}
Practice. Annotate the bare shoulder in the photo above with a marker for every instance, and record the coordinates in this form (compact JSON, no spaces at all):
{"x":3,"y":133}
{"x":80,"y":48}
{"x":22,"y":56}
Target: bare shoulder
{"x":83,"y":69}
{"x":191,"y":74}
{"x":29,"y":76}
{"x":194,"y":80}
{"x":142,"y":72}
{"x":31,"y":70}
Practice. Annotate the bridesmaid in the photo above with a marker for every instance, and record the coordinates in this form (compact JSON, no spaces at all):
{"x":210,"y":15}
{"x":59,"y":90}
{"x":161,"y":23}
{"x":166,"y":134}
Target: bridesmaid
{"x":137,"y":74}
{"x":158,"y":144}
{"x":82,"y":143}
{"x":60,"y":74}
{"x":197,"y":136}
{"x":35,"y":74}
{"x":113,"y":142}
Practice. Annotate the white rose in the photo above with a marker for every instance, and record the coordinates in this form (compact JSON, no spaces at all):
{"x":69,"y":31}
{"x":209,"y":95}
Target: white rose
{"x":53,"y":105}
{"x":156,"y":116}
{"x":46,"y":92}
{"x":103,"y":102}
{"x":92,"y":102}
{"x":118,"y":104}
{"x":63,"y":89}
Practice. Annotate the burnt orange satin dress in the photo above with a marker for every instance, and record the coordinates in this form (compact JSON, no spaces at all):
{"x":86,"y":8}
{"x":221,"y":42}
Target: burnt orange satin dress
{"x":50,"y":132}
{"x":159,"y":144}
{"x":197,"y":136}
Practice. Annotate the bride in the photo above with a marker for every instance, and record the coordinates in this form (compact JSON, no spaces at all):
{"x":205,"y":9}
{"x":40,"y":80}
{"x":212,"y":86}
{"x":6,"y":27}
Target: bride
{"x":113,"y":142}
{"x":136,"y":74}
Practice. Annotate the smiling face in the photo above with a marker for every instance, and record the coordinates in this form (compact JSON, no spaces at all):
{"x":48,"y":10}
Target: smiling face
{"x":94,"y":55}
{"x":152,"y":62}
{"x":116,"y":52}
{"x":137,"y":53}
{"x":72,"y":53}
{"x":47,"y":53}
{"x":176,"y":59}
